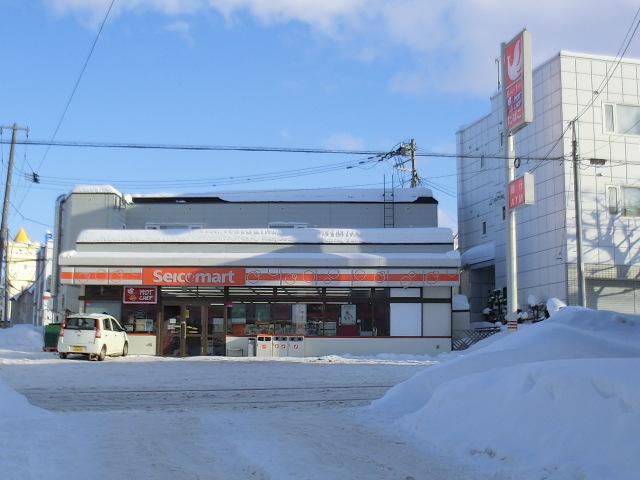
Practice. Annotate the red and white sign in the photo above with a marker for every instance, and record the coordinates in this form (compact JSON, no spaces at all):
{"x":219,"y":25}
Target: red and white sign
{"x":320,"y":277}
{"x":517,"y":78}
{"x":140,"y":295}
{"x":521,"y":191}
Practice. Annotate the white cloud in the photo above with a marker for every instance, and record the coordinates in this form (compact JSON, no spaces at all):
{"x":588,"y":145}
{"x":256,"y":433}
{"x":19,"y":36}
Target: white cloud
{"x":183,"y":29}
{"x":343,"y":141}
{"x":451,"y":44}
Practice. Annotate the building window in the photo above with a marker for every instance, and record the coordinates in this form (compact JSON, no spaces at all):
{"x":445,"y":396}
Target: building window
{"x":484,"y":228}
{"x":630,"y":201}
{"x":624,"y":200}
{"x":612,"y":200}
{"x":621,"y":119}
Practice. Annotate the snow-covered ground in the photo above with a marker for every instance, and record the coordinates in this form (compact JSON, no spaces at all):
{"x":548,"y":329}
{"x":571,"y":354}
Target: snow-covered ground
{"x":559,"y":399}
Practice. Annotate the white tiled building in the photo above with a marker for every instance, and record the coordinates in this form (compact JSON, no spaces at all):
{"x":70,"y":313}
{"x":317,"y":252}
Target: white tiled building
{"x":602,"y":95}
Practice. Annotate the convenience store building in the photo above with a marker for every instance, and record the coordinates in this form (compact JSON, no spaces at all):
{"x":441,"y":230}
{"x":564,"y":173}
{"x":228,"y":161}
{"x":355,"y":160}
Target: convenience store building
{"x":213,"y":291}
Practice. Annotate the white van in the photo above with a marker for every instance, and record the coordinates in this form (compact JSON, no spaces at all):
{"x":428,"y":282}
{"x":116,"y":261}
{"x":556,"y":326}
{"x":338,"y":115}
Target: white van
{"x":93,"y":335}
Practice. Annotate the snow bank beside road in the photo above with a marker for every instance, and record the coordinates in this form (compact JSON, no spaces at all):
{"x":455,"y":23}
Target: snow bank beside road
{"x":561,"y":397}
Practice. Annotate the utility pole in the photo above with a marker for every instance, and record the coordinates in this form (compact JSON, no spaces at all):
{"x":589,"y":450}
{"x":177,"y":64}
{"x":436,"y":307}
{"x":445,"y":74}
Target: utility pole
{"x":3,"y":225}
{"x":578,"y":207}
{"x":414,"y":172}
{"x":406,"y":151}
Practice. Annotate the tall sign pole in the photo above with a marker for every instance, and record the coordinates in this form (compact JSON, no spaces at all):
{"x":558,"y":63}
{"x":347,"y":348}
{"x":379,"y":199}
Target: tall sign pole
{"x":3,"y":226}
{"x":518,"y":113}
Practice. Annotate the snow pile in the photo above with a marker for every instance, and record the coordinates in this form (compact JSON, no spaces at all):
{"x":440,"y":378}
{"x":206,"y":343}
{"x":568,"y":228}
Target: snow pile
{"x":15,"y":407}
{"x":561,"y":396}
{"x":22,"y":337}
{"x":558,"y":399}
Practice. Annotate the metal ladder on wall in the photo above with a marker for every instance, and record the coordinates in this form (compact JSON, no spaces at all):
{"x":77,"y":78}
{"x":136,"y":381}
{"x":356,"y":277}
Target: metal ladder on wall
{"x":389,"y":207}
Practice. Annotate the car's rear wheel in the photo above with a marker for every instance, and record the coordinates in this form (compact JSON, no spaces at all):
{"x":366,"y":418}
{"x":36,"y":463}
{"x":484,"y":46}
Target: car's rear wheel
{"x":103,"y":353}
{"x":62,"y":355}
{"x":125,"y":349}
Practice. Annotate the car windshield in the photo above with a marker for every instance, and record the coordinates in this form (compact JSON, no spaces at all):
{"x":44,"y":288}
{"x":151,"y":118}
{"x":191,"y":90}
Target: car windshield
{"x":80,"y":323}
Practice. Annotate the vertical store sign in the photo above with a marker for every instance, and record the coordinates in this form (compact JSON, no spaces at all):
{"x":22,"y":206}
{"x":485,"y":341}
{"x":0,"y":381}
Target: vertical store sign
{"x":517,"y":82}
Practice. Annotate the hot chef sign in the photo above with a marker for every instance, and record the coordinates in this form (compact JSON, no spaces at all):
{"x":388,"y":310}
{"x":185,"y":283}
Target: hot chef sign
{"x":140,"y":295}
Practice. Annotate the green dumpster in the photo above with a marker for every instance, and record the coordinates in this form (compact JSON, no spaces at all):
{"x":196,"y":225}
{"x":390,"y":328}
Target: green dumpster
{"x":51,"y":333}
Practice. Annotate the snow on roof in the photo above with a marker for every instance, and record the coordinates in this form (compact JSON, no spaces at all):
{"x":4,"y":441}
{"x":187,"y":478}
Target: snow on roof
{"x":306,"y":195}
{"x":273,"y":235}
{"x":95,"y":189}
{"x":293,"y":195}
{"x":478,"y":254}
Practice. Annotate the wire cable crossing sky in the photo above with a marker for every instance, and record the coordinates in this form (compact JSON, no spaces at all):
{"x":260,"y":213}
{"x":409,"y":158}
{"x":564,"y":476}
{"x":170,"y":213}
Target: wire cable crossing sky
{"x":196,"y":91}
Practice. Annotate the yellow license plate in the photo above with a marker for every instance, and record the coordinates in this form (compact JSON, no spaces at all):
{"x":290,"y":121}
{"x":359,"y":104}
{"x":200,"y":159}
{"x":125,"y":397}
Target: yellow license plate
{"x":76,"y":348}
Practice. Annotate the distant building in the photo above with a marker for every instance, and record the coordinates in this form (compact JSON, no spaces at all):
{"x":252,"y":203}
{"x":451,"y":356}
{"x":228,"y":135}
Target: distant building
{"x":351,"y":270}
{"x":20,"y":275}
{"x":43,"y":314}
{"x":602,"y":96}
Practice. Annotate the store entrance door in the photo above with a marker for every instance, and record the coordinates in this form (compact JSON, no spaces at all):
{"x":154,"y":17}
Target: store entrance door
{"x":215,"y":330}
{"x":183,"y":330}
{"x":192,"y":329}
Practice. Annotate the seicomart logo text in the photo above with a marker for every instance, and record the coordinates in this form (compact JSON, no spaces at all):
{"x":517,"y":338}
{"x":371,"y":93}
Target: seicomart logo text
{"x":193,"y":276}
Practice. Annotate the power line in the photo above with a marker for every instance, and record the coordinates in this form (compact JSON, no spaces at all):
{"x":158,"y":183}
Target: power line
{"x":75,"y":87}
{"x":631,"y":32}
{"x":228,"y":148}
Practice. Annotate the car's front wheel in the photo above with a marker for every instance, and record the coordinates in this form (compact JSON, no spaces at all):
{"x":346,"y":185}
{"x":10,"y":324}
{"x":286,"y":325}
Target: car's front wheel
{"x":62,"y":355}
{"x":125,"y":350}
{"x":103,"y":353}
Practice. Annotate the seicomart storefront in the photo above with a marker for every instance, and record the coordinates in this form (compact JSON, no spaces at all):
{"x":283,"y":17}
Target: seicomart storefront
{"x":218,"y":292}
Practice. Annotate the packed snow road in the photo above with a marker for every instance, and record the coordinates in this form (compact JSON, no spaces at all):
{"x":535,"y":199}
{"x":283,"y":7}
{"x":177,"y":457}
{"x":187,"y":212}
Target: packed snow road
{"x":218,"y":418}
{"x":97,"y":399}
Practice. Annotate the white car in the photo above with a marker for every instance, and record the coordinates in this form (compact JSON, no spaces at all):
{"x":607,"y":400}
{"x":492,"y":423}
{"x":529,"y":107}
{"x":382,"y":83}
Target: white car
{"x":93,"y":335}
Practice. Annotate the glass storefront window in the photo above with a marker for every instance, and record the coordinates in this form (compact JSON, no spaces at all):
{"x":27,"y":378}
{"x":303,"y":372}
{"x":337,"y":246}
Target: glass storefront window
{"x":139,"y":318}
{"x":312,"y":318}
{"x":313,"y":311}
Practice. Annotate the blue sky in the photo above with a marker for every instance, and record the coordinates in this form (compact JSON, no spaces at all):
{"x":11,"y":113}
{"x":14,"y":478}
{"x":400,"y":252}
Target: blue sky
{"x":355,"y":75}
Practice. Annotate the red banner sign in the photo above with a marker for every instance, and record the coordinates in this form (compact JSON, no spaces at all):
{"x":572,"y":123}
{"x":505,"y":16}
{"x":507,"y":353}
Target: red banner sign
{"x":521,"y":191}
{"x":140,"y":295}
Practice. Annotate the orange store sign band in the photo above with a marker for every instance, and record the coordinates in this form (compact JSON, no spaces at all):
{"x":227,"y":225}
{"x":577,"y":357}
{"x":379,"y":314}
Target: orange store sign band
{"x":184,"y":276}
